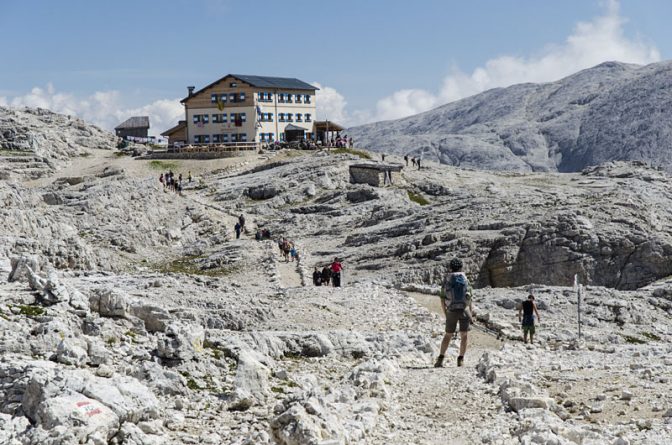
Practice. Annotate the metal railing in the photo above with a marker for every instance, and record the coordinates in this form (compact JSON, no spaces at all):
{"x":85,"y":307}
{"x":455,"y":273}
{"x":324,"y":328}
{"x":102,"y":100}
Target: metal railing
{"x":217,"y":147}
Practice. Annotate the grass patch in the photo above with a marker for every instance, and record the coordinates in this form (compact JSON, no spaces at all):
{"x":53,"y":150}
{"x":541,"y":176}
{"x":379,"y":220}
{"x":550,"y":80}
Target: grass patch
{"x":32,"y":311}
{"x":362,"y":154}
{"x":111,"y":341}
{"x":163,"y":165}
{"x":633,"y":340}
{"x":216,"y":353}
{"x":417,"y":198}
{"x":651,"y":336}
{"x":188,"y":266}
{"x":3,"y":315}
{"x":5,"y":152}
{"x":278,"y":389}
{"x":86,"y":154}
{"x":191,"y":384}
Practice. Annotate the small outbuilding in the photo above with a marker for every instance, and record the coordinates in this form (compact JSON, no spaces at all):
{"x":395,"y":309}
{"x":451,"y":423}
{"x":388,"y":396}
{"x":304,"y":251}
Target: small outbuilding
{"x":377,"y":175}
{"x":176,"y":135}
{"x":136,"y":127}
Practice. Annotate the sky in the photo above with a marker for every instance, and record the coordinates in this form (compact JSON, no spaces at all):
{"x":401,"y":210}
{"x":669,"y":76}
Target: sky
{"x":105,"y":61}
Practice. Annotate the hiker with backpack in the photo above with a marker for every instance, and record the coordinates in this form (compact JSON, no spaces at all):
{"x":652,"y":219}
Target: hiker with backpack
{"x":456,"y":303}
{"x":526,"y":313}
{"x":336,"y":268}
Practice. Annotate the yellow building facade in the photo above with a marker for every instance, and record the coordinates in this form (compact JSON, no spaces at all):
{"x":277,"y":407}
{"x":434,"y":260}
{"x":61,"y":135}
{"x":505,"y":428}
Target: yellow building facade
{"x":243,"y":108}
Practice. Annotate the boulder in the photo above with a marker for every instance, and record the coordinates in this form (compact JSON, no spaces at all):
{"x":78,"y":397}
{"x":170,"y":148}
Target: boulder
{"x":181,"y":342}
{"x":110,"y":303}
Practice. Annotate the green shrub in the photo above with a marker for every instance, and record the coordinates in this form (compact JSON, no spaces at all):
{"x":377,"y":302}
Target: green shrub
{"x":417,"y":198}
{"x":32,"y":311}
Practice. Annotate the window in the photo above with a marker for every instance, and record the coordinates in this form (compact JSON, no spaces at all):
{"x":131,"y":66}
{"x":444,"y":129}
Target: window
{"x":225,"y":138}
{"x":197,"y":139}
{"x":289,"y":117}
{"x":222,"y":98}
{"x":215,"y":118}
{"x":270,"y":97}
{"x":222,"y":118}
{"x":298,"y":98}
{"x":206,"y":139}
{"x":206,"y":118}
{"x":307,"y":97}
{"x":288,"y":97}
{"x":270,"y":117}
{"x":271,"y":136}
{"x":242,"y":97}
{"x":213,"y":98}
{"x":243,"y":117}
{"x":281,"y":117}
{"x":197,"y":118}
{"x":215,"y":138}
{"x":261,"y":97}
{"x":298,"y":116}
{"x":232,"y":97}
{"x":233,"y":84}
{"x":243,"y":137}
{"x":282,"y":136}
{"x":308,"y":117}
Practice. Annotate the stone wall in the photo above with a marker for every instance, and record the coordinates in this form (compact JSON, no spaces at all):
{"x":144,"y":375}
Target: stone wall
{"x":373,"y":176}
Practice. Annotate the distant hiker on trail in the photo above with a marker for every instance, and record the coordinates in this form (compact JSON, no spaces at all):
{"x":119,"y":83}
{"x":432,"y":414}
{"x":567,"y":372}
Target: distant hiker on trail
{"x":406,"y":159}
{"x":336,"y":268}
{"x":238,"y":228}
{"x":189,"y":177}
{"x":286,"y":248}
{"x":317,"y":277}
{"x":294,"y":253}
{"x":456,"y":304}
{"x":413,"y":161}
{"x":326,"y":276}
{"x":382,"y":156}
{"x":241,"y":221}
{"x":418,"y":162}
{"x":526,"y":316}
{"x":161,"y":180}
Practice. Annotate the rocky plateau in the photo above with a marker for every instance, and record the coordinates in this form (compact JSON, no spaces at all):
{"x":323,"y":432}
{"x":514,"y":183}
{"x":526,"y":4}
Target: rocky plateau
{"x":131,"y":315}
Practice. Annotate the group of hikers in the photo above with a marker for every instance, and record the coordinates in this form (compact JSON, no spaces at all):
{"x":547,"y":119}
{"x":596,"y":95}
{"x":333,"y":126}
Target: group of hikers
{"x":329,"y":275}
{"x":341,"y":142}
{"x":456,"y":302}
{"x":415,"y":161}
{"x":170,"y":182}
{"x":288,"y":249}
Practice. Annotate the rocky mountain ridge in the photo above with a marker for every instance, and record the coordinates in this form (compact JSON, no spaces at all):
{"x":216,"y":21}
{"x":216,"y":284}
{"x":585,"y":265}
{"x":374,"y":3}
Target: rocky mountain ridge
{"x":611,"y":112}
{"x":35,"y":142}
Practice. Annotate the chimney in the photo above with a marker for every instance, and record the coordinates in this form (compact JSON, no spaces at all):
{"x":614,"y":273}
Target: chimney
{"x":191,"y":91}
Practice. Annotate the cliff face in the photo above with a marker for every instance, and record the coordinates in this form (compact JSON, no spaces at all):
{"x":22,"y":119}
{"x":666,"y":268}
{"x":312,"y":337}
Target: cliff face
{"x":613,"y":111}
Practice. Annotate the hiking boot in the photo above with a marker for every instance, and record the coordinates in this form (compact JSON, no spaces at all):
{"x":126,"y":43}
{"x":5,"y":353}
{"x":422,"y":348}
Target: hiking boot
{"x":439,"y":362}
{"x":460,"y":361}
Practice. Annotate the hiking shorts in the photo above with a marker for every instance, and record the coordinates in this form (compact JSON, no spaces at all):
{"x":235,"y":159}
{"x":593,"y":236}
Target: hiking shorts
{"x":528,"y":328}
{"x":452,"y":318}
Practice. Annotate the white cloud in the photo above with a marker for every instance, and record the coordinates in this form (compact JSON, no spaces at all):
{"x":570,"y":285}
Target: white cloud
{"x":103,"y":108}
{"x":330,"y":104}
{"x":590,"y":43}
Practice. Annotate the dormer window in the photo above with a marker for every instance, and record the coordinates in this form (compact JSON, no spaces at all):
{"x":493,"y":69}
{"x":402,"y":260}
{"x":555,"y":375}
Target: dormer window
{"x":233,"y":85}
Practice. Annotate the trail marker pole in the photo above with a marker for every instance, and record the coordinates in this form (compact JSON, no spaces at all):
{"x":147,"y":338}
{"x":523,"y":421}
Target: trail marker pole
{"x":577,"y":285}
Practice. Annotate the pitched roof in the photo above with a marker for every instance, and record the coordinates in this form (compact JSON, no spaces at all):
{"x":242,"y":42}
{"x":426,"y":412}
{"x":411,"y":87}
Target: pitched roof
{"x":289,"y":83}
{"x":180,"y":125}
{"x":292,"y":127}
{"x":134,"y":122}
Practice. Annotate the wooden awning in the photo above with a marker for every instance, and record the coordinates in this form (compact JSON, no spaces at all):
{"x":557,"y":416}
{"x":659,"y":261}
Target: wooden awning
{"x":327,"y":126}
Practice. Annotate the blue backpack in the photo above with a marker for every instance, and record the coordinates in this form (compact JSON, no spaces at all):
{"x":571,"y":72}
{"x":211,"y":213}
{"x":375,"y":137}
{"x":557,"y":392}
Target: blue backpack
{"x":457,"y":289}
